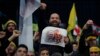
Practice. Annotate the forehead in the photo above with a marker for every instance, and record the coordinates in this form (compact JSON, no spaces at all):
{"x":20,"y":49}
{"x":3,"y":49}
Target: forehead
{"x":54,"y":15}
{"x":44,"y":51}
{"x":11,"y":44}
{"x":21,"y":48}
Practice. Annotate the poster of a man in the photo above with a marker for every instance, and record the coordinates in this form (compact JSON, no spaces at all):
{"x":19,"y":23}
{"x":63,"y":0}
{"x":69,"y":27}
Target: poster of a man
{"x":53,"y":36}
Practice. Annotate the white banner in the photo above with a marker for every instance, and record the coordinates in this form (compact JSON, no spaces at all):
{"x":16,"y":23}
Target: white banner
{"x":27,"y":8}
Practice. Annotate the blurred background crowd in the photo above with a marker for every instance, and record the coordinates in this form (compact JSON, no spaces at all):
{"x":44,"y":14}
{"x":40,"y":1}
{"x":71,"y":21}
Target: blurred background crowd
{"x":80,"y":18}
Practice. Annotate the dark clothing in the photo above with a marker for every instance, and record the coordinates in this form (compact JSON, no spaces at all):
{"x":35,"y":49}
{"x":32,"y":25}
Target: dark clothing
{"x":0,"y":26}
{"x":83,"y":49}
{"x":60,"y":26}
{"x":75,"y":53}
{"x":68,"y":48}
{"x":36,"y":47}
{"x":4,"y":44}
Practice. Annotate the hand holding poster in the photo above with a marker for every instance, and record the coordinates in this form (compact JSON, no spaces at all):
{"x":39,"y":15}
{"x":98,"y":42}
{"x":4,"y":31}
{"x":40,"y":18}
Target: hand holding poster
{"x":53,"y":36}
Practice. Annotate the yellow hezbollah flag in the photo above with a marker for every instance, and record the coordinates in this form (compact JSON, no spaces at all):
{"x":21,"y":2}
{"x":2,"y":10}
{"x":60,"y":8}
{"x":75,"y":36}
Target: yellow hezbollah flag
{"x":72,"y":19}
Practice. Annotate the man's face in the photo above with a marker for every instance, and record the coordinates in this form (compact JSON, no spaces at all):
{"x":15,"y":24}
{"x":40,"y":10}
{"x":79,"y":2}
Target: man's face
{"x":10,"y":49}
{"x":30,"y":53}
{"x":11,"y":27}
{"x":21,"y":52}
{"x":75,"y":47}
{"x":54,"y":19}
{"x":94,"y":54}
{"x":93,"y":42}
{"x":44,"y":53}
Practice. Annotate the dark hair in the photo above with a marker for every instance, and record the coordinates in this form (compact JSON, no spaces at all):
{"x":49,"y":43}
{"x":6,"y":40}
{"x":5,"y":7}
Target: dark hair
{"x":23,"y":46}
{"x":55,"y":13}
{"x":43,"y":48}
{"x":56,"y":54}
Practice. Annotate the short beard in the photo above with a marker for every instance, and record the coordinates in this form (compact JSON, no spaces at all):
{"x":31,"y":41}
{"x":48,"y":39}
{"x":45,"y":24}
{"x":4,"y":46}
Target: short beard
{"x":55,"y":25}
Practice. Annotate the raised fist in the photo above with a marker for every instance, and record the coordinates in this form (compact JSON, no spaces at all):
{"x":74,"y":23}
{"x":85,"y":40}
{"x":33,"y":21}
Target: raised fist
{"x":89,"y":22}
{"x":2,"y":34}
{"x":43,"y":6}
{"x":16,"y":33}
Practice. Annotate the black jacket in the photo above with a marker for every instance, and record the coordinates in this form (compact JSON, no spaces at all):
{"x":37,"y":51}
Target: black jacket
{"x":4,"y":45}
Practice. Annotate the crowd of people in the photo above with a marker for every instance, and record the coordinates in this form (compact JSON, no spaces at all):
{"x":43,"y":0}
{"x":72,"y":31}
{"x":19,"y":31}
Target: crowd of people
{"x":86,"y":46}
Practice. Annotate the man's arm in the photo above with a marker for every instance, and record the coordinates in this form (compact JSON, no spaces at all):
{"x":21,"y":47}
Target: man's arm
{"x":85,"y":31}
{"x":15,"y":34}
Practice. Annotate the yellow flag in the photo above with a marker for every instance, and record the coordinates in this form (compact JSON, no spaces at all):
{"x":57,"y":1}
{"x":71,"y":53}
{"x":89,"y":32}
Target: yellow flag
{"x":72,"y":19}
